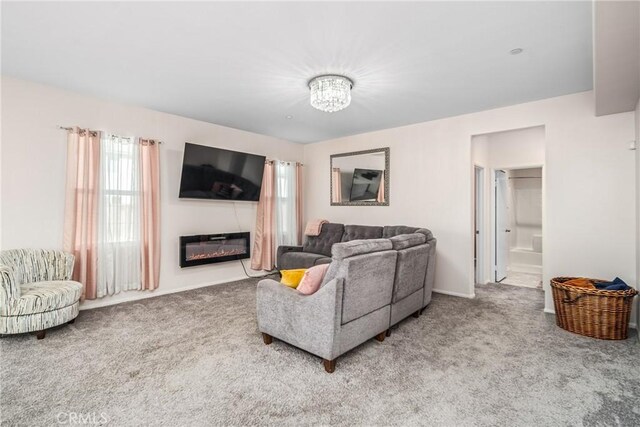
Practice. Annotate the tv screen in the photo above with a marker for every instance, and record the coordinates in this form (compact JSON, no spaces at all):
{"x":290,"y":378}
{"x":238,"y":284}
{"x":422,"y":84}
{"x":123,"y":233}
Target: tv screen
{"x":365,"y":184}
{"x":214,"y":173}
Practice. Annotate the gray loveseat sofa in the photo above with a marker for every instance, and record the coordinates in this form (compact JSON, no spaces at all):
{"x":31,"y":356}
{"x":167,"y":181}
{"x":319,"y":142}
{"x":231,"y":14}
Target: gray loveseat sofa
{"x":352,"y":306}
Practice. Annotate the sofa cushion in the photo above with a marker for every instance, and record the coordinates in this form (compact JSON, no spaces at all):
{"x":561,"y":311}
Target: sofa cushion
{"x":312,"y":279}
{"x":293,"y":260}
{"x":410,"y":271}
{"x":395,"y":230}
{"x":41,"y":297}
{"x":403,"y":241}
{"x":361,"y":232}
{"x":292,"y":278}
{"x":323,"y":260}
{"x":357,"y":247}
{"x":321,"y":244}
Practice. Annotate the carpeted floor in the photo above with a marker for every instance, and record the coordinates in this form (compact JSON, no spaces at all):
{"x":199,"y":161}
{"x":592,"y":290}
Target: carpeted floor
{"x":196,"y":358}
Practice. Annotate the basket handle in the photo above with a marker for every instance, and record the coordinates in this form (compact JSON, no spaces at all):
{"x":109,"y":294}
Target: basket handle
{"x":568,"y":300}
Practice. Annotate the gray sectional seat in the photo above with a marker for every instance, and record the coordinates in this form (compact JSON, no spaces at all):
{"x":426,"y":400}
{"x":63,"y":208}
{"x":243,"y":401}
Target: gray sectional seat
{"x":352,"y":306}
{"x":411,"y":271}
{"x":378,"y":276}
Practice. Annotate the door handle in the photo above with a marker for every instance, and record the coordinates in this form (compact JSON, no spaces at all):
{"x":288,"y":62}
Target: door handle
{"x":507,"y":231}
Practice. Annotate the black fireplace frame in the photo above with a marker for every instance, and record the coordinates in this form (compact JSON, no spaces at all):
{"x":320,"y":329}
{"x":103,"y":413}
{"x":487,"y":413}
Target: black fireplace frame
{"x":184,"y":240}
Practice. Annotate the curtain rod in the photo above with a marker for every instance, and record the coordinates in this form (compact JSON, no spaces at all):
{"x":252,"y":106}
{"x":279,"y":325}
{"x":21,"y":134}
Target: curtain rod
{"x":283,"y":161}
{"x":125,"y":137}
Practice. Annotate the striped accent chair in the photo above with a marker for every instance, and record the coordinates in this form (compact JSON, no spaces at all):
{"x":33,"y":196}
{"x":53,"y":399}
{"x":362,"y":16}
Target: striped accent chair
{"x":37,"y":291}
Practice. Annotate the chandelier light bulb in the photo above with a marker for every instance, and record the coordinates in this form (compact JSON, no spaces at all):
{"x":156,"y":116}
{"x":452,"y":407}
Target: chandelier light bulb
{"x":330,"y":93}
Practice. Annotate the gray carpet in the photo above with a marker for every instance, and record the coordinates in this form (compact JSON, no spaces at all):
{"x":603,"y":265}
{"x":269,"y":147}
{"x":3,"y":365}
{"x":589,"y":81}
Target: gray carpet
{"x":196,"y":358}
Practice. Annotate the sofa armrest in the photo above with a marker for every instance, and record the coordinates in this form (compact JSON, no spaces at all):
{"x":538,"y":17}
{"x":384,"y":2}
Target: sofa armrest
{"x":306,"y":321}
{"x":10,"y":289}
{"x":283,"y":250}
{"x":69,"y":261}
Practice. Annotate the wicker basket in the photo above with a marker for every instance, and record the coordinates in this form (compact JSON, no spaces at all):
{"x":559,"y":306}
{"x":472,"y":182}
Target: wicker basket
{"x":592,"y":312}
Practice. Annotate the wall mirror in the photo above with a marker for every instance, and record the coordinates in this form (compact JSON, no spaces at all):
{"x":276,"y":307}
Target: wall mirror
{"x":360,"y":178}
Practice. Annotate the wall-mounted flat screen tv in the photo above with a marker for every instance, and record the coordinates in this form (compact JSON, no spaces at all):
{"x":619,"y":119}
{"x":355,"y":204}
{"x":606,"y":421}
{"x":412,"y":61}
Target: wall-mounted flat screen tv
{"x":365,"y":185}
{"x":214,"y":173}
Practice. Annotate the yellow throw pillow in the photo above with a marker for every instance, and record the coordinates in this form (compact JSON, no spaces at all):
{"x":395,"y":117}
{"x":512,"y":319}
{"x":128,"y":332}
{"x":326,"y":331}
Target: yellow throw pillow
{"x":292,"y":278}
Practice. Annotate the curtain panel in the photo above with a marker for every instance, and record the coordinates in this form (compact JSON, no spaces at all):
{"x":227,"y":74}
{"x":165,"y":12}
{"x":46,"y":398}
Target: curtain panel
{"x":299,"y":203}
{"x":112,"y":213}
{"x":263,"y":255}
{"x":380,"y":197}
{"x":279,"y":217}
{"x":150,"y":189}
{"x":118,"y":216}
{"x":81,"y":206}
{"x":286,"y":195}
{"x":336,"y":188}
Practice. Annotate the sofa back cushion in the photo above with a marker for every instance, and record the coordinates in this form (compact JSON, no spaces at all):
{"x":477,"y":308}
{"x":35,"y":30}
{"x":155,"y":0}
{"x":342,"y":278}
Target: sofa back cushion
{"x":37,"y":265}
{"x":330,"y":233}
{"x":411,"y":269}
{"x":368,"y":269}
{"x":403,"y":241}
{"x":358,"y":247}
{"x":359,"y":232}
{"x":395,"y":230}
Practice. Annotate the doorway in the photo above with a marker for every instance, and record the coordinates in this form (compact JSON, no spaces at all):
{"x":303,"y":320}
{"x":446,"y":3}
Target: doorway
{"x":507,"y":196}
{"x":518,"y":227}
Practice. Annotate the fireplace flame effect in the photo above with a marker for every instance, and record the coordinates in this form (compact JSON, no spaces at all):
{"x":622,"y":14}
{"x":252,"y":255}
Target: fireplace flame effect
{"x":216,"y":254}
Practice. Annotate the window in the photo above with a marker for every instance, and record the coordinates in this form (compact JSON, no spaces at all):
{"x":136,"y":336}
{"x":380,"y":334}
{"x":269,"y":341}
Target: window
{"x":285,"y":204}
{"x":119,"y":214}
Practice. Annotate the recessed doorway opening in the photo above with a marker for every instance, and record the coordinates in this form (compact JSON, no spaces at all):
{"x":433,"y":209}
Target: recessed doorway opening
{"x":508,"y":207}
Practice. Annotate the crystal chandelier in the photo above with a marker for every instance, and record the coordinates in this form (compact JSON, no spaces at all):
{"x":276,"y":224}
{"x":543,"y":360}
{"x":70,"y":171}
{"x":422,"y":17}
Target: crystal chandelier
{"x":330,"y":93}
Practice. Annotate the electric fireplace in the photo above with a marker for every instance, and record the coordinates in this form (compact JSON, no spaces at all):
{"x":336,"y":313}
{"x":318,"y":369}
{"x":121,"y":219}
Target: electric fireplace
{"x":212,"y":248}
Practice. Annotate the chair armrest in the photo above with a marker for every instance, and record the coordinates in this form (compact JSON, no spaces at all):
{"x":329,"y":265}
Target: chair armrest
{"x":10,"y":289}
{"x":69,"y":260}
{"x":283,"y":250}
{"x":306,"y":321}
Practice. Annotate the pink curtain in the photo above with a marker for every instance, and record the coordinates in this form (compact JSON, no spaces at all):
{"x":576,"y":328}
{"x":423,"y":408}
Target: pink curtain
{"x":381,"y":189}
{"x":263,"y":257}
{"x":150,"y":211}
{"x":299,"y":201}
{"x":336,"y":189}
{"x":81,"y":206}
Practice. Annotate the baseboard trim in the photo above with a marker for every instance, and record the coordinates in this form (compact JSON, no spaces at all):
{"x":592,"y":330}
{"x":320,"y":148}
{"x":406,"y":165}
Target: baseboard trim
{"x":455,"y":294}
{"x":139,"y":295}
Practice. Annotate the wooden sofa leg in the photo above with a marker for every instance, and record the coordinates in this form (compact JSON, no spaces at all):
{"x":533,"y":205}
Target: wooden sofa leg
{"x":388,"y":333}
{"x":40,"y":335}
{"x":417,"y":314}
{"x":329,"y":365}
{"x":268,"y":339}
{"x":381,"y":335}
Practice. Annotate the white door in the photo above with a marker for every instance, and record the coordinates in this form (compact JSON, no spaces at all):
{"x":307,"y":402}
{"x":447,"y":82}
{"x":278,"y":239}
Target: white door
{"x":502,"y":224}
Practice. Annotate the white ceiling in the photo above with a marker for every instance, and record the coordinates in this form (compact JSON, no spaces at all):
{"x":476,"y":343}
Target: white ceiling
{"x":246,"y":65}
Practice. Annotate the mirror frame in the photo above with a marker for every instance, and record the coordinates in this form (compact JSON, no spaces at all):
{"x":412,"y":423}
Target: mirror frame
{"x":386,"y":152}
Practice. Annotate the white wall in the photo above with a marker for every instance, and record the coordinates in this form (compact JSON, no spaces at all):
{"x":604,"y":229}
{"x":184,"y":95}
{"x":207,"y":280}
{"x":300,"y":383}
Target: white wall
{"x":525,"y":194}
{"x":33,"y":175}
{"x":587,"y":164}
